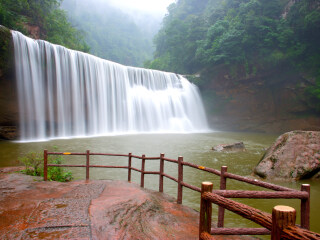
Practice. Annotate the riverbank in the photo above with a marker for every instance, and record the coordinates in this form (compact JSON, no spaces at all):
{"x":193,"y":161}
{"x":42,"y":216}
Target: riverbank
{"x":101,"y":209}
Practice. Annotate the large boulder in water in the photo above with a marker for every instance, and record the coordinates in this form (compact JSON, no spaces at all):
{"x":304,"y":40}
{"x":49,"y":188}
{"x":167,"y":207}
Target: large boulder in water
{"x":294,"y":155}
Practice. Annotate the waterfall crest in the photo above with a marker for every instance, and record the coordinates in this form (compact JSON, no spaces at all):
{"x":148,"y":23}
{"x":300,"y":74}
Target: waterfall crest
{"x":65,"y":93}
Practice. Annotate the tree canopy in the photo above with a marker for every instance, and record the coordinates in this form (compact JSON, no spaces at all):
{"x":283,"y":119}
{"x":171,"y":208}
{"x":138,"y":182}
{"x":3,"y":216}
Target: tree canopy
{"x":45,"y":14}
{"x":254,"y":34}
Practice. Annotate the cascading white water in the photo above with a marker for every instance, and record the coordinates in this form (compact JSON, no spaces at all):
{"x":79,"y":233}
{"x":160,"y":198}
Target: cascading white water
{"x":65,"y":93}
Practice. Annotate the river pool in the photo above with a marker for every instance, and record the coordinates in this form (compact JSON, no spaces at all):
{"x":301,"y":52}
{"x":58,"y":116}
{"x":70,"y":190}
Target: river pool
{"x":195,"y":148}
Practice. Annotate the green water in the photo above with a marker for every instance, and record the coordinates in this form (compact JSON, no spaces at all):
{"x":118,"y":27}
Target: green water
{"x":195,"y":148}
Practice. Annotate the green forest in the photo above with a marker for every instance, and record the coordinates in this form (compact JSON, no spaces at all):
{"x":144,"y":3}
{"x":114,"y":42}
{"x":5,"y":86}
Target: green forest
{"x":52,"y":21}
{"x":250,"y":36}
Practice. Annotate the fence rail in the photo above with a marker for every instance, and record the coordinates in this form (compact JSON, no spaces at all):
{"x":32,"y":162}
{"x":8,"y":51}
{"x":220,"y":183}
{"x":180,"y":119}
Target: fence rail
{"x":281,"y":223}
{"x":278,"y":191}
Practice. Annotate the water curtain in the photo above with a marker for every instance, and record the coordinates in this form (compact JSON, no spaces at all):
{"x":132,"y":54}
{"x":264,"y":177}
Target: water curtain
{"x":65,"y":93}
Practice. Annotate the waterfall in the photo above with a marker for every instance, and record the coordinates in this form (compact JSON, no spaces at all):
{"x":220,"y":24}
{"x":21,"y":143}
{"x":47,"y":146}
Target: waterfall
{"x":65,"y":93}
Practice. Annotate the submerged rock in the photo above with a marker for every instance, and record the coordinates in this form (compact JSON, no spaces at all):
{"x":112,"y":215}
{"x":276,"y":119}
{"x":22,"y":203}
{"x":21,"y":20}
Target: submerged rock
{"x":294,"y":155}
{"x":235,"y":147}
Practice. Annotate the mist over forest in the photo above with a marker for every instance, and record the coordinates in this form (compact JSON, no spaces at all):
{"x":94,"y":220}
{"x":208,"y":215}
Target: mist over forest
{"x":120,"y":35}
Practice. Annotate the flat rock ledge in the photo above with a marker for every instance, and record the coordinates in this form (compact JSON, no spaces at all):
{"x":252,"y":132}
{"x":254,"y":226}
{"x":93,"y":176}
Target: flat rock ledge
{"x":100,"y":209}
{"x":294,"y":155}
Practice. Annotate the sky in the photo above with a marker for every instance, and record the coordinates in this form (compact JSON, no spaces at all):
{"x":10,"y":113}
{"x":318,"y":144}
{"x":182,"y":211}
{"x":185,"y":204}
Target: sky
{"x":149,"y":6}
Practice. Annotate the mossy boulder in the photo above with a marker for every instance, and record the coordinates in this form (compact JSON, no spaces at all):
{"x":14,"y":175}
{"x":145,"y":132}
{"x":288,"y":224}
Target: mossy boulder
{"x":294,"y":155}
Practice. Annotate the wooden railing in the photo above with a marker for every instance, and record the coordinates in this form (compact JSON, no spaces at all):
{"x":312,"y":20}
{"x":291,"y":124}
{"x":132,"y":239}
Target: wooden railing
{"x":281,"y":224}
{"x":279,"y":191}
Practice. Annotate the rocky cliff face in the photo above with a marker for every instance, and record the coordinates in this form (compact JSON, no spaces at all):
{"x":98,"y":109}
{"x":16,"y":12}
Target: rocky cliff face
{"x":271,"y":101}
{"x":8,"y":95}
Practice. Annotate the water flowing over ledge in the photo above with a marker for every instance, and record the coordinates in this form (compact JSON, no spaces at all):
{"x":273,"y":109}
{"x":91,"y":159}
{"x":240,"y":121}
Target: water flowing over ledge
{"x":65,"y":93}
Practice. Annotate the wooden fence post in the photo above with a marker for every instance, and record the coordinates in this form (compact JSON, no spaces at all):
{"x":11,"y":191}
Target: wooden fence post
{"x":205,"y":209}
{"x":143,"y":162}
{"x":129,"y":167}
{"x":87,"y":165}
{"x":282,"y":217}
{"x":180,"y":179}
{"x":161,"y":172}
{"x":45,"y":165}
{"x":305,"y":208}
{"x":223,"y":186}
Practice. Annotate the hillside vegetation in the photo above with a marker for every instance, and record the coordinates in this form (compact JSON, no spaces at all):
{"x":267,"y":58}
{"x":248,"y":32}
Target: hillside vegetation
{"x":41,"y":19}
{"x":246,"y":36}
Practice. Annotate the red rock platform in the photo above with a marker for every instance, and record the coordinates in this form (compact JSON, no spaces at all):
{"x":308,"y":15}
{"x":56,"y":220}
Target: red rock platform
{"x":33,"y":209}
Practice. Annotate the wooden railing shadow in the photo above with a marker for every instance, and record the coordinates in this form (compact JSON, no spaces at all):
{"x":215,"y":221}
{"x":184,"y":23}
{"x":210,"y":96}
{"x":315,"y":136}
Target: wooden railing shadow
{"x":279,"y":191}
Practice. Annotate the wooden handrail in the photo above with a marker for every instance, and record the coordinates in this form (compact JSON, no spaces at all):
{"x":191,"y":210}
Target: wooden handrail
{"x":240,"y":231}
{"x":257,"y":182}
{"x":264,"y":219}
{"x":261,"y":194}
{"x":281,"y":192}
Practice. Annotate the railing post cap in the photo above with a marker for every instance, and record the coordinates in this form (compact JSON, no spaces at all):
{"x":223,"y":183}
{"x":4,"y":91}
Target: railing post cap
{"x":283,"y":208}
{"x":207,"y":183}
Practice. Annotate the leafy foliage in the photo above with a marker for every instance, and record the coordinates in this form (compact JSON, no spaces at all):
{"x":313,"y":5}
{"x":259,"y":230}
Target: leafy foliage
{"x":33,"y":163}
{"x":57,"y":173}
{"x":254,"y":35}
{"x":45,"y":14}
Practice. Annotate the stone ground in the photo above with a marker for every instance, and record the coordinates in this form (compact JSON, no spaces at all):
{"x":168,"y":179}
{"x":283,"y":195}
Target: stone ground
{"x":33,"y":209}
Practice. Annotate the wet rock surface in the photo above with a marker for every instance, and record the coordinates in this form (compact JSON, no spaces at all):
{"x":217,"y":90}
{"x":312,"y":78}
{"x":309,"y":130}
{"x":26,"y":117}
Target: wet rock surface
{"x":8,"y":132}
{"x":234,"y":147}
{"x":294,"y":155}
{"x":104,"y":209}
{"x":129,"y":213}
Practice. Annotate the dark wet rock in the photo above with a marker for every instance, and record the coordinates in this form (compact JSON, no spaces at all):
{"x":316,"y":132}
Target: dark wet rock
{"x":8,"y":132}
{"x":235,"y":147}
{"x":9,"y":113}
{"x":294,"y":155}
